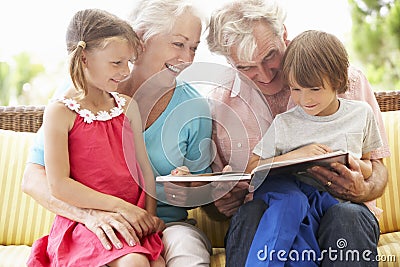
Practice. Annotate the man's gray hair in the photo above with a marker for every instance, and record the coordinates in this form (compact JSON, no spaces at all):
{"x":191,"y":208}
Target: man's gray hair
{"x":233,"y":23}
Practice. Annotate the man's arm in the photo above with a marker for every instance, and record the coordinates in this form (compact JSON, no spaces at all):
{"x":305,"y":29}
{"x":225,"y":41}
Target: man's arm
{"x":349,"y":183}
{"x":101,"y":223}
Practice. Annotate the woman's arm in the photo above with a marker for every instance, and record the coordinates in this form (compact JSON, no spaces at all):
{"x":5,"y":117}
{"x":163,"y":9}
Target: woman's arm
{"x":101,"y":223}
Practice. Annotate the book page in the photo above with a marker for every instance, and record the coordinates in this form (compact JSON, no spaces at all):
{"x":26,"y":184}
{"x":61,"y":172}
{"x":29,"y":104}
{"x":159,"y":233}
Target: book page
{"x":205,"y":177}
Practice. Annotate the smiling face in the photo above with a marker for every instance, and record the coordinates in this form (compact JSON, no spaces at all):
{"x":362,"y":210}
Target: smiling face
{"x":316,"y":101}
{"x":106,"y":68}
{"x":264,"y":70}
{"x":171,"y":52}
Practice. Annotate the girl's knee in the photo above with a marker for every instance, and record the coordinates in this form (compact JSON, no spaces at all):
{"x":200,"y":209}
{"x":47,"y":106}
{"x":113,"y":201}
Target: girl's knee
{"x":160,"y":262}
{"x":131,"y":260}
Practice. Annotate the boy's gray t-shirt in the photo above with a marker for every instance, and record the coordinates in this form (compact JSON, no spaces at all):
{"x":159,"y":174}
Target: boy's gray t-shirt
{"x":352,"y":129}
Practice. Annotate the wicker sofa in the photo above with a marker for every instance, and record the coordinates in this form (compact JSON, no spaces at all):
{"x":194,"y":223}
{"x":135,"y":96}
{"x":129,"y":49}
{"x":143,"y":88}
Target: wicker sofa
{"x":22,"y":220}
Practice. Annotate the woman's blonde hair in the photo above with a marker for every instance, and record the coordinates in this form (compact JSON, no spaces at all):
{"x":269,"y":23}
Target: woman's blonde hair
{"x":314,"y":57}
{"x":92,"y":29}
{"x":233,"y":24}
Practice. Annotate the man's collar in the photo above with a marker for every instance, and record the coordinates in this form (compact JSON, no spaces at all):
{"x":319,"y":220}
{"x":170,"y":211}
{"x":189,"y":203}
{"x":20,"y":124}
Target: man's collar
{"x":236,"y":85}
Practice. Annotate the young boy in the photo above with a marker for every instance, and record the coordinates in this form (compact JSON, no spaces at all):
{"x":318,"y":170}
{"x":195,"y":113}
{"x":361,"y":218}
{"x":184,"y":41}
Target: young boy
{"x":315,"y":68}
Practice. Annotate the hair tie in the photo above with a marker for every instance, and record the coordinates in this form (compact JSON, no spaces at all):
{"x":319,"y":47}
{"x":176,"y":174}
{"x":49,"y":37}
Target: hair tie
{"x":82,"y":44}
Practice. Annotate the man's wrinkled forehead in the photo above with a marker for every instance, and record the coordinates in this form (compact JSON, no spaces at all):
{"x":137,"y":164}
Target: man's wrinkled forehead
{"x":235,"y":61}
{"x":265,"y":41}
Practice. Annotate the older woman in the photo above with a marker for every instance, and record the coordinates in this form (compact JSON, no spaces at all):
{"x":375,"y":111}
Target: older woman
{"x":170,"y":31}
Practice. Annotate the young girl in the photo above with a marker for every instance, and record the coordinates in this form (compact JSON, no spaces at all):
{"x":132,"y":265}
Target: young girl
{"x":315,"y":68}
{"x":94,"y":151}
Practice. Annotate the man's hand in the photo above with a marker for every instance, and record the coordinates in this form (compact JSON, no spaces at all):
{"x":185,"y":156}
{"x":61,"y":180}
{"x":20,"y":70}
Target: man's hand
{"x":349,"y":183}
{"x":105,"y":225}
{"x":232,"y":199}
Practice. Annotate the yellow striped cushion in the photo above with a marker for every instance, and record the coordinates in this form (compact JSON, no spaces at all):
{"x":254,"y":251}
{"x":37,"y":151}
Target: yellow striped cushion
{"x":14,"y":256}
{"x":390,"y":201}
{"x":218,"y":257}
{"x":22,"y":220}
{"x":215,"y":230}
{"x":389,"y":249}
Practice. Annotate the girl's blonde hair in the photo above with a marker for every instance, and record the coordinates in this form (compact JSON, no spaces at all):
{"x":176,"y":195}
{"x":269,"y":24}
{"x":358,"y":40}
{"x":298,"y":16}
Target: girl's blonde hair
{"x":314,"y":57}
{"x":92,"y":29}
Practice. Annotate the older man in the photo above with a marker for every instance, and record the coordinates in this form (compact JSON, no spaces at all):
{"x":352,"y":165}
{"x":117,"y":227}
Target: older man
{"x":252,"y":36}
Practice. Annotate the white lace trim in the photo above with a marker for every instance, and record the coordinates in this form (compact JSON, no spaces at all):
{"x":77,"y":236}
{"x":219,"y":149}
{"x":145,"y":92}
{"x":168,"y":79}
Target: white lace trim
{"x":88,"y":116}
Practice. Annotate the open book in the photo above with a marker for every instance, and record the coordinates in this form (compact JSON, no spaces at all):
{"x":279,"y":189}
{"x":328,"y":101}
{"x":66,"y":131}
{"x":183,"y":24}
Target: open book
{"x":205,"y":177}
{"x":300,"y":166}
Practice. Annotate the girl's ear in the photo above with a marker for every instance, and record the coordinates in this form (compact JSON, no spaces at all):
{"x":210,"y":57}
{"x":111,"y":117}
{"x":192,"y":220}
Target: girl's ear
{"x":83,"y":58}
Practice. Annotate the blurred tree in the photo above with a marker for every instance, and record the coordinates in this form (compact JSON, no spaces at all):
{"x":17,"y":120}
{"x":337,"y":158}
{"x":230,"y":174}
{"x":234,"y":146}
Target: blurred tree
{"x":14,"y":76}
{"x":376,"y":40}
{"x":4,"y":83}
{"x":25,"y":71}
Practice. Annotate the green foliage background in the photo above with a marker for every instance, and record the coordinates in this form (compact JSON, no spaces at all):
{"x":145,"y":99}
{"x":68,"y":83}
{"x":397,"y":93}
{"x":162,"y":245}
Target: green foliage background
{"x":15,"y":74}
{"x":376,"y":40}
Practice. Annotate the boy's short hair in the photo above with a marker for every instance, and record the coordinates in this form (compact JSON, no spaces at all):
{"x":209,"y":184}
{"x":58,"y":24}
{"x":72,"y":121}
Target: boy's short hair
{"x":314,"y":57}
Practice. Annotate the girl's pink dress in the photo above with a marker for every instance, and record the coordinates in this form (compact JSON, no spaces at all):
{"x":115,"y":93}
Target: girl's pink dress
{"x":102,"y":156}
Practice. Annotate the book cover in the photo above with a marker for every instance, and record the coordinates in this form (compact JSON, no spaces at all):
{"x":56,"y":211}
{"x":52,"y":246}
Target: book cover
{"x":298,"y":167}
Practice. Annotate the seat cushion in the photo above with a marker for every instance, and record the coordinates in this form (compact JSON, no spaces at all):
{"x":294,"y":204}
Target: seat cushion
{"x":390,"y":201}
{"x":14,"y":256}
{"x":389,"y":250}
{"x":22,"y":220}
{"x":215,"y":230}
{"x":218,"y":257}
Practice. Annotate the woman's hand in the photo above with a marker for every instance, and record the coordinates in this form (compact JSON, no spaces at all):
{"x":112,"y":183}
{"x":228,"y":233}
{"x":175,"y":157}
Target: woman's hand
{"x":105,"y":224}
{"x":141,"y":220}
{"x":159,"y":224}
{"x":177,"y":193}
